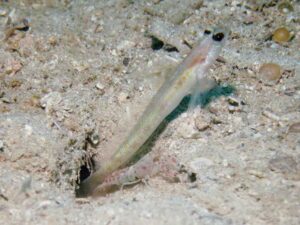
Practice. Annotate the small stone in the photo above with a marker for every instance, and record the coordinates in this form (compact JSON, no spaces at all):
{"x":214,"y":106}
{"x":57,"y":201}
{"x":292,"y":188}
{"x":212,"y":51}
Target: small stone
{"x":98,"y":28}
{"x":125,"y":45}
{"x":269,"y":114}
{"x":256,"y":173}
{"x":82,"y":201}
{"x":114,"y":52}
{"x":294,"y":128}
{"x":202,"y":122}
{"x":100,"y":86}
{"x":233,"y":101}
{"x":53,"y":40}
{"x":281,"y":35}
{"x":123,"y":97}
{"x":80,"y":66}
{"x":285,"y":165}
{"x":34,"y":101}
{"x":225,"y":163}
{"x":231,"y":108}
{"x":12,"y":67}
{"x":6,"y":100}
{"x":269,"y":73}
{"x":51,"y":101}
{"x":28,"y":130}
{"x":285,"y":7}
{"x":188,"y":130}
{"x":3,"y":12}
{"x":15,"y":83}
{"x":1,"y":146}
{"x":126,"y":61}
{"x":235,"y":104}
{"x":94,"y":139}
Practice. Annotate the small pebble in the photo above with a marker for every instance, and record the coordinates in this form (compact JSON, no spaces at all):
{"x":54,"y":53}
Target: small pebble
{"x":294,"y":128}
{"x":6,"y":100}
{"x":269,"y":73}
{"x":188,"y":131}
{"x":122,"y":97}
{"x":231,"y":108}
{"x":269,"y":114}
{"x":1,"y":146}
{"x":281,"y":35}
{"x":94,"y":139}
{"x":52,"y":40}
{"x":80,"y":66}
{"x":285,"y":7}
{"x":82,"y":201}
{"x":3,"y":12}
{"x":50,"y":100}
{"x":126,"y":61}
{"x":34,"y":101}
{"x":256,"y":173}
{"x":100,"y":86}
{"x":286,"y":165}
{"x":15,"y":83}
{"x":233,"y":101}
{"x":202,"y":122}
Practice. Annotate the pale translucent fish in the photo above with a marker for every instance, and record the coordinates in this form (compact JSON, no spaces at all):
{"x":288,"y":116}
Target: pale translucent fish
{"x":182,"y":82}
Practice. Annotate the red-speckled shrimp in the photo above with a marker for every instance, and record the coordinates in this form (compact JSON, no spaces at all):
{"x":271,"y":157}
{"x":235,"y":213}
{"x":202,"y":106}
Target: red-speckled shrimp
{"x":150,"y":165}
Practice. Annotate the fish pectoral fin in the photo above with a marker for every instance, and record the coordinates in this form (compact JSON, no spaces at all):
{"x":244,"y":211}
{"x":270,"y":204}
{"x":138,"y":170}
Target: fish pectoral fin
{"x":203,"y":85}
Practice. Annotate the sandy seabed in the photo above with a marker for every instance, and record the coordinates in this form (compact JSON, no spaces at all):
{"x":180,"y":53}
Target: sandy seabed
{"x":75,"y":75}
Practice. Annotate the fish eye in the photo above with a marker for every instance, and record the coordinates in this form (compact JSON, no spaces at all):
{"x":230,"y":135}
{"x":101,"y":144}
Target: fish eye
{"x":218,"y":37}
{"x":207,"y":32}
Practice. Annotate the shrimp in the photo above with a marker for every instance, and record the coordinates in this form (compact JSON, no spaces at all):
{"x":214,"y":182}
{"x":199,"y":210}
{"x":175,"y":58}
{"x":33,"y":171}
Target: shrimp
{"x":150,"y":165}
{"x":188,"y":78}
